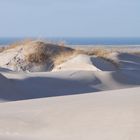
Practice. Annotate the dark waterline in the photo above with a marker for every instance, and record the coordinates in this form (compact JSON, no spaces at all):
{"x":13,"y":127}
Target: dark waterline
{"x":81,"y":41}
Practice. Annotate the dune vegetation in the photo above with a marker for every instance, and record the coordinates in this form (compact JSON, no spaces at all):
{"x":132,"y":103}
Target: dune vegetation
{"x":30,"y":53}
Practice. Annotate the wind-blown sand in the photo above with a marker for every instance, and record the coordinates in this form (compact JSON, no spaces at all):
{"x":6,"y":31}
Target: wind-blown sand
{"x":103,"y":101}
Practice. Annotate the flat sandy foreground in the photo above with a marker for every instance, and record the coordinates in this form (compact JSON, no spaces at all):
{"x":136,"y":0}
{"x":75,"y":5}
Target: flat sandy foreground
{"x":101,"y":116}
{"x":85,"y":98}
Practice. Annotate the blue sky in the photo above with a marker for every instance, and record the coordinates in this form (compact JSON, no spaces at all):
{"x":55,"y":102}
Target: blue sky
{"x":69,"y":18}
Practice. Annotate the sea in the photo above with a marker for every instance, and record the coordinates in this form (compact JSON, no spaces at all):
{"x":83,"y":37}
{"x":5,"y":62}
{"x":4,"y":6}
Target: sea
{"x":79,"y":41}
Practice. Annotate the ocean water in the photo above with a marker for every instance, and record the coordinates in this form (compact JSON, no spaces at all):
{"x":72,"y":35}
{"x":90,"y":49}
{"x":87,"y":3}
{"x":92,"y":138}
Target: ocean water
{"x":81,"y":41}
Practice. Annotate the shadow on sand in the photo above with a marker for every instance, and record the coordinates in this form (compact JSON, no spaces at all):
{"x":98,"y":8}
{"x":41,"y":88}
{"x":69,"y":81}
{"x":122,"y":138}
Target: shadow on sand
{"x":39,"y":87}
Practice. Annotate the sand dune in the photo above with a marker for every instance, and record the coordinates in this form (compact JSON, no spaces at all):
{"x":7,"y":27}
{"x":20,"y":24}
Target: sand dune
{"x":78,"y":75}
{"x":103,"y":101}
{"x":31,"y":56}
{"x":85,"y":62}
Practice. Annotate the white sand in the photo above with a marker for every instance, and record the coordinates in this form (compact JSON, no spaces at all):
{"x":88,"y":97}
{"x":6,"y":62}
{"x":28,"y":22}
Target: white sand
{"x":82,"y":74}
{"x":80,"y":62}
{"x":101,"y":116}
{"x":110,"y":109}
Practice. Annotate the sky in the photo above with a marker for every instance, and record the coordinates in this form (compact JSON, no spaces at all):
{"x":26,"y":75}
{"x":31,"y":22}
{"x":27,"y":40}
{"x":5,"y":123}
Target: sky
{"x":69,"y":18}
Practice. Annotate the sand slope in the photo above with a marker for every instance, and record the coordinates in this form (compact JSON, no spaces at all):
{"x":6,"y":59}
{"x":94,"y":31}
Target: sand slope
{"x":79,"y":62}
{"x":8,"y":91}
{"x":101,"y":116}
{"x":38,"y":85}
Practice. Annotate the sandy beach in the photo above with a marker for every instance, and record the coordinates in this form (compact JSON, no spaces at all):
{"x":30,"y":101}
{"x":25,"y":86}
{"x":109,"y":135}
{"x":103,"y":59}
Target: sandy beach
{"x":90,"y":94}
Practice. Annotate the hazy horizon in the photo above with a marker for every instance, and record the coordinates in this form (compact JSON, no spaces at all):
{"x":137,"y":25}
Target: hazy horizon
{"x":81,"y":18}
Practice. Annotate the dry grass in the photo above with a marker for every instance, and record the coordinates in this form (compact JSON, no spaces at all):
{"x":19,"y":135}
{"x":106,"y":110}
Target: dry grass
{"x":41,"y":53}
{"x":48,"y":53}
{"x":56,"y":53}
{"x":37,"y":57}
{"x":16,"y":44}
{"x":63,"y":57}
{"x":99,"y":52}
